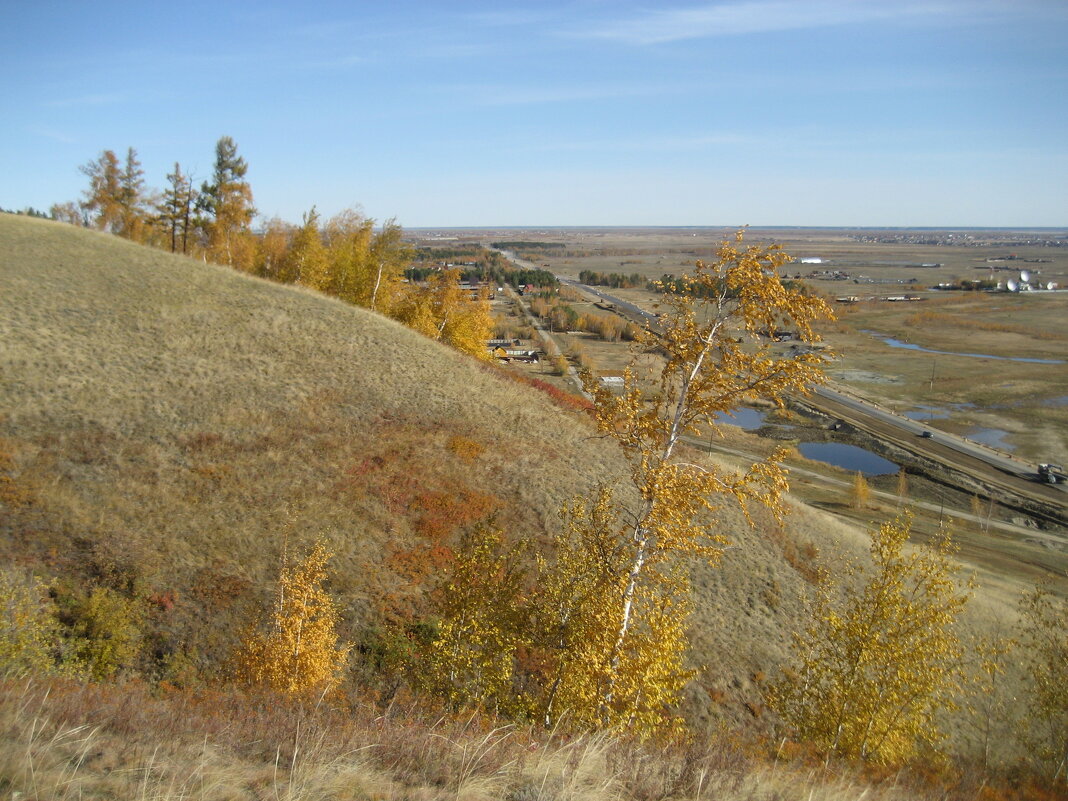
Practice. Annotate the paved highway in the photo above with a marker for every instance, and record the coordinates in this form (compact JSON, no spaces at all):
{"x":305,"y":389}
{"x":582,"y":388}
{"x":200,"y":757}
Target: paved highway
{"x":995,"y":458}
{"x":626,"y":306}
{"x":986,"y":464}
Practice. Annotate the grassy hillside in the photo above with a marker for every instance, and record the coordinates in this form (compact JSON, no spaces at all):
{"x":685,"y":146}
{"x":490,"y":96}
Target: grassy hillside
{"x":168,"y":425}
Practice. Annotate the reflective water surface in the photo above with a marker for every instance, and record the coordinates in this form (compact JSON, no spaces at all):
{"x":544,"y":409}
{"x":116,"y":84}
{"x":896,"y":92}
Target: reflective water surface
{"x":848,"y":457}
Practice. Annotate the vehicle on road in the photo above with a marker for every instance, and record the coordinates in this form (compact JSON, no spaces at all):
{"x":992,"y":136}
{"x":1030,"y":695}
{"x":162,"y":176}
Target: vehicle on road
{"x":1051,"y":473}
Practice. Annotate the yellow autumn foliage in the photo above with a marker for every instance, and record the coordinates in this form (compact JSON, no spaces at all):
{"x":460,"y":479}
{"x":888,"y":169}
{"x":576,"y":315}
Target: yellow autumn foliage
{"x":297,"y":651}
{"x":578,"y":612}
{"x":471,"y":660}
{"x":715,"y":356}
{"x":444,"y":312}
{"x":28,"y":627}
{"x":881,"y":657}
{"x":1045,"y":637}
{"x":861,"y":491}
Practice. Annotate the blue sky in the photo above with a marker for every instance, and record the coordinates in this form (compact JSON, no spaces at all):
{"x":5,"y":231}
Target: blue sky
{"x":762,"y":112}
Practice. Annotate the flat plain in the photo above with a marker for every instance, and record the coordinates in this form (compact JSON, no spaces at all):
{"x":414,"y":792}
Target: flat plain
{"x":1009,"y":392}
{"x":991,"y":394}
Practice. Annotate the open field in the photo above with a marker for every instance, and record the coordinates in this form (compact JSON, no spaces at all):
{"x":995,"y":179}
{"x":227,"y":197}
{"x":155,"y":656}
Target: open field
{"x":1018,"y":406}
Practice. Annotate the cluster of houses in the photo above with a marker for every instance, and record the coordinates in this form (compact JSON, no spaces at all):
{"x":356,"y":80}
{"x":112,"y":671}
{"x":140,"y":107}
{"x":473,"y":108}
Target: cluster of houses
{"x":512,"y":350}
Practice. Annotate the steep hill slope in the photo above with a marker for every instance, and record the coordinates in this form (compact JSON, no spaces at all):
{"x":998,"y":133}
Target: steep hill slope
{"x":167,"y":426}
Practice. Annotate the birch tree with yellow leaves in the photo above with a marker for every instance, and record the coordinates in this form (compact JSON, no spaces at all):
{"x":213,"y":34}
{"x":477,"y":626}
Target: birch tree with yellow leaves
{"x":298,"y":650}
{"x":306,"y":260}
{"x":480,"y":605}
{"x":445,"y":312}
{"x":881,"y":656}
{"x":576,"y":615}
{"x":713,"y":349}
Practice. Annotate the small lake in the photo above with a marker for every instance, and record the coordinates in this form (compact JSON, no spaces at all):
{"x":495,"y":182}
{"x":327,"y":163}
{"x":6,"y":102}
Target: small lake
{"x":743,"y":417}
{"x":848,"y":457}
{"x":897,"y":343}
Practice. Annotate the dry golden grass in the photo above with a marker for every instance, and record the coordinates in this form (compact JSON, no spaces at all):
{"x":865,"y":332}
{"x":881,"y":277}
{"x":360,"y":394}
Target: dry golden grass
{"x":175,"y":423}
{"x":167,"y":426}
{"x":62,"y":741}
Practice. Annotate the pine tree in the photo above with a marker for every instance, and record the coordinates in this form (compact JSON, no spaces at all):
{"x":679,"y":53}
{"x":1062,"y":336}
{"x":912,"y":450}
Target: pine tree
{"x":227,"y":202}
{"x":175,"y":208}
{"x":132,"y":201}
{"x":880,"y":658}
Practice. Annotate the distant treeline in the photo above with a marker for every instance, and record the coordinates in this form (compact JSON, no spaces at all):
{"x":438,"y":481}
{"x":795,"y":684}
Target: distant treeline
{"x":29,"y":211}
{"x":676,"y":285}
{"x":524,"y":245}
{"x":495,"y":272}
{"x":475,"y":252}
{"x":477,"y":263}
{"x":532,"y":277}
{"x":615,"y":280}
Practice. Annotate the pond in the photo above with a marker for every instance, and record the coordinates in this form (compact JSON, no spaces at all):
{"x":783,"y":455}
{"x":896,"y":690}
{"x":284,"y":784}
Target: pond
{"x":897,"y":343}
{"x":848,"y":457}
{"x":743,"y":417}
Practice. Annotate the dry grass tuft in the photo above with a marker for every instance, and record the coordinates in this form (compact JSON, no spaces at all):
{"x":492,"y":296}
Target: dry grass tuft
{"x":65,"y":741}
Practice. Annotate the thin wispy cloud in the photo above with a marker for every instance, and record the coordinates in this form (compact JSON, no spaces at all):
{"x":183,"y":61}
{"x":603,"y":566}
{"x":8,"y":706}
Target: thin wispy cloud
{"x":762,"y":16}
{"x":55,"y":136}
{"x":86,"y":100}
{"x":649,"y":144}
{"x":507,"y":17}
{"x":543,"y":95}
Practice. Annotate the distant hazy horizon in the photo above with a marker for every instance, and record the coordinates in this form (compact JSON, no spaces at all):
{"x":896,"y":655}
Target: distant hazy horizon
{"x":933,"y":228}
